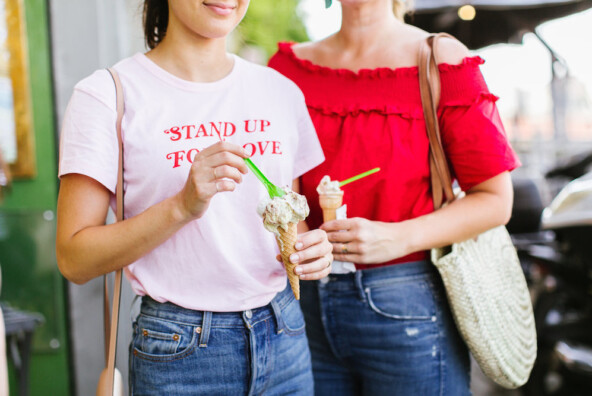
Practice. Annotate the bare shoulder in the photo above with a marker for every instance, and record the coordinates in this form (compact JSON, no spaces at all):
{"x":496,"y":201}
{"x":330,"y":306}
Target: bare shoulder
{"x":451,"y":51}
{"x":402,"y":45}
{"x":303,"y":48}
{"x":314,"y":51}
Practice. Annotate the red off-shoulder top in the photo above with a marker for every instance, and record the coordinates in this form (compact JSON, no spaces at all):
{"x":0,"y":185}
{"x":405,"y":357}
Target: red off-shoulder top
{"x":373,"y":118}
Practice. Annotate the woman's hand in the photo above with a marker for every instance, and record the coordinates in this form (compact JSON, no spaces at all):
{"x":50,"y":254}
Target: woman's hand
{"x":214,"y":170}
{"x":313,"y":255}
{"x":363,"y":241}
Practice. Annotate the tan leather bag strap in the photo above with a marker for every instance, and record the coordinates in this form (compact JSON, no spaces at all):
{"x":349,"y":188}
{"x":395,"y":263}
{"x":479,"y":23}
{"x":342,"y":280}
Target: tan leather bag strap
{"x":429,"y":85}
{"x":111,"y":326}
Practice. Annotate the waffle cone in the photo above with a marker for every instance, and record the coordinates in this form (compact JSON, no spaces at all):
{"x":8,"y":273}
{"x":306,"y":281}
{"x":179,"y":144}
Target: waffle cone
{"x":287,"y":240}
{"x":330,"y":203}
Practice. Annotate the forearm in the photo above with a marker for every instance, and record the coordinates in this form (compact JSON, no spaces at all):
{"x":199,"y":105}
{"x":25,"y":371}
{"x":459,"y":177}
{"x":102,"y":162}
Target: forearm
{"x":87,"y":248}
{"x":359,"y":240}
{"x":100,"y":249}
{"x":463,"y":219}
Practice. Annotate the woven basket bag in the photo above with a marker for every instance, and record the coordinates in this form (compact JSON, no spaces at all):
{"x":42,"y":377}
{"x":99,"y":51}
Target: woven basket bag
{"x":483,"y":278}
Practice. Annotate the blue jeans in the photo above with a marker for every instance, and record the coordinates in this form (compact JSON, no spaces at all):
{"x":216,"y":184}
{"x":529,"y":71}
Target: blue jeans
{"x":384,"y":331}
{"x":177,"y":351}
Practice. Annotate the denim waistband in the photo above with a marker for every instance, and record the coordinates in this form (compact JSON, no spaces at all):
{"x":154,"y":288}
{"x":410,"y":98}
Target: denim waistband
{"x":249,"y":317}
{"x":361,"y":279}
{"x":396,"y":270}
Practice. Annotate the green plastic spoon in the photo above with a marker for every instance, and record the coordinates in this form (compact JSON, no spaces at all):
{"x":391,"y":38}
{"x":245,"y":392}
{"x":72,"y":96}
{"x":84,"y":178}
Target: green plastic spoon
{"x":272,"y":189}
{"x":358,"y":177}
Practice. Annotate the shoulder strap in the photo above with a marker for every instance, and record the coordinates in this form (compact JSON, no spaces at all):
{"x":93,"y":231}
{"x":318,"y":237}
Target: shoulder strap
{"x":429,"y":84}
{"x":111,"y":328}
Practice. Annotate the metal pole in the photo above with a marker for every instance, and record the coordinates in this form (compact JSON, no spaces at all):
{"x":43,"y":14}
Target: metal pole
{"x":560,"y":74}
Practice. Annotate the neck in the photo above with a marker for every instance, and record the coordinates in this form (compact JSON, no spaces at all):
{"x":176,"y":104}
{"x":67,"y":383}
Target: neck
{"x":191,"y":57}
{"x":363,"y":23}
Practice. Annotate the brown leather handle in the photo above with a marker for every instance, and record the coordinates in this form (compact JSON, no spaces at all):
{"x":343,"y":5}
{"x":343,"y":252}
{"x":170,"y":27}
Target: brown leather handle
{"x":429,"y":85}
{"x":111,"y":326}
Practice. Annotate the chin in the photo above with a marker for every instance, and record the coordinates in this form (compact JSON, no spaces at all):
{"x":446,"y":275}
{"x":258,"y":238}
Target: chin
{"x":216,"y":32}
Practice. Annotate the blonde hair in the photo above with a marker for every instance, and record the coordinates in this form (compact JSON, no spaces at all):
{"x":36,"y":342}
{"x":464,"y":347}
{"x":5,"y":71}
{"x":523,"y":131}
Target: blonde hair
{"x":401,"y":7}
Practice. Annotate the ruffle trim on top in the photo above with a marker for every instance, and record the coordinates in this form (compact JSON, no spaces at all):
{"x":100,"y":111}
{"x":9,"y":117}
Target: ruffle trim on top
{"x":415,"y":112}
{"x":482,"y":96}
{"x":354,"y":110}
{"x":381,"y":72}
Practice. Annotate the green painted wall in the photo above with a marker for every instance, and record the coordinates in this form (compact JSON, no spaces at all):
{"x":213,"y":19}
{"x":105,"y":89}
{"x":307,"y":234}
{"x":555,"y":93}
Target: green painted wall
{"x":39,"y":192}
{"x":39,"y":286}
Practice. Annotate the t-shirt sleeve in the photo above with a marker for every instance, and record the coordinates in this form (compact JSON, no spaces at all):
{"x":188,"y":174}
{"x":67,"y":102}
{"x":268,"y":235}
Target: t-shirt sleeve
{"x":475,"y":141}
{"x":88,"y":139}
{"x":309,"y":153}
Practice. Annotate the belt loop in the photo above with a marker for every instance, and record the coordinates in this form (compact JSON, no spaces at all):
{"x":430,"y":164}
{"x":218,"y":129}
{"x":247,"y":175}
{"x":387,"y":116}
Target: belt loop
{"x":359,"y":285}
{"x":206,"y":324}
{"x":277,"y":312}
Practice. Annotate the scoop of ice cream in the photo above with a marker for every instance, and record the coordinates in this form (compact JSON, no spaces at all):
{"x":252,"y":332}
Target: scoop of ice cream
{"x":326,"y":186}
{"x":281,"y":211}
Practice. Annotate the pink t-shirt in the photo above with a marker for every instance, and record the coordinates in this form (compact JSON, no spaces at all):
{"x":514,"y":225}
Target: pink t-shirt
{"x":224,"y":261}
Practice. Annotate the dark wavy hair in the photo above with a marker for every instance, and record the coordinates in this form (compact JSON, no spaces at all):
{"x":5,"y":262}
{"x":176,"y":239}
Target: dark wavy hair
{"x":156,"y":20}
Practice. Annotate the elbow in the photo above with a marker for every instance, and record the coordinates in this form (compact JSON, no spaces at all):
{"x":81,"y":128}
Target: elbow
{"x":68,"y":268}
{"x":506,"y":215}
{"x":504,"y":208}
{"x":70,"y":274}
{"x":507,"y":205}
{"x":501,"y":197}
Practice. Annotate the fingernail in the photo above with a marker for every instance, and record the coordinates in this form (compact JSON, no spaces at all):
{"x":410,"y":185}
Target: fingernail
{"x":298,"y":270}
{"x":299,"y":245}
{"x":294,"y":258}
{"x":246,"y":153}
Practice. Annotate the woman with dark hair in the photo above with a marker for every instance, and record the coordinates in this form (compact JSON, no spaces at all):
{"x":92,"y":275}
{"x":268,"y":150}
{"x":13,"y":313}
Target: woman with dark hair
{"x":216,"y":315}
{"x":386,"y":328}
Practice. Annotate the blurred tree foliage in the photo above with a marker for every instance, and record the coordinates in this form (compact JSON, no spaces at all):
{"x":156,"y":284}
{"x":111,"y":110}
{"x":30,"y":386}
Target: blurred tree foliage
{"x":270,"y":21}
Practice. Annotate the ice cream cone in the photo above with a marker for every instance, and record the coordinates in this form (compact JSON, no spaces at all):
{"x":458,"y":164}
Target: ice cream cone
{"x":330,"y":203}
{"x":287,"y":240}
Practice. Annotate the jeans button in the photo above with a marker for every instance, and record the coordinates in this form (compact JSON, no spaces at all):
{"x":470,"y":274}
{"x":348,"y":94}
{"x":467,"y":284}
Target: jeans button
{"x":324,"y":280}
{"x":249,"y":314}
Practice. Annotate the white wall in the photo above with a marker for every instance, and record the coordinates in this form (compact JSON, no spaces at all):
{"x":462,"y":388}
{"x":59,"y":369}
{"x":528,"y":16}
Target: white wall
{"x":88,"y":35}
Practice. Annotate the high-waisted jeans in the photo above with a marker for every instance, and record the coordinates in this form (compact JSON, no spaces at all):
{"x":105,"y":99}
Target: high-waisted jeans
{"x":263,"y":351}
{"x":384,"y":331}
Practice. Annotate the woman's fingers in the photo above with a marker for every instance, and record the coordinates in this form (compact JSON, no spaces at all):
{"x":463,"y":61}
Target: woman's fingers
{"x":349,"y":251}
{"x":345,"y":248}
{"x":313,"y":255}
{"x":221,"y":154}
{"x":311,"y":245}
{"x":217,"y":168}
{"x":310,"y":238}
{"x":226,"y":172}
{"x":350,"y":257}
{"x":220,"y":147}
{"x":224,"y":186}
{"x":227,"y":158}
{"x":316,"y":269}
{"x":338,"y":225}
{"x":341,"y":236}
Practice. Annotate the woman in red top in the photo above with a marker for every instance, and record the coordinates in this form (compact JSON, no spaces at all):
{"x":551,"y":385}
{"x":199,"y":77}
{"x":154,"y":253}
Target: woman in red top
{"x":386,"y":328}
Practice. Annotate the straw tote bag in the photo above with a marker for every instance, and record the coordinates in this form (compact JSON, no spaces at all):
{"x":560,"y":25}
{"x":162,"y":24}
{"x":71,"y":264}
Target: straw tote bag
{"x":483,"y":279}
{"x":110,"y":381}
